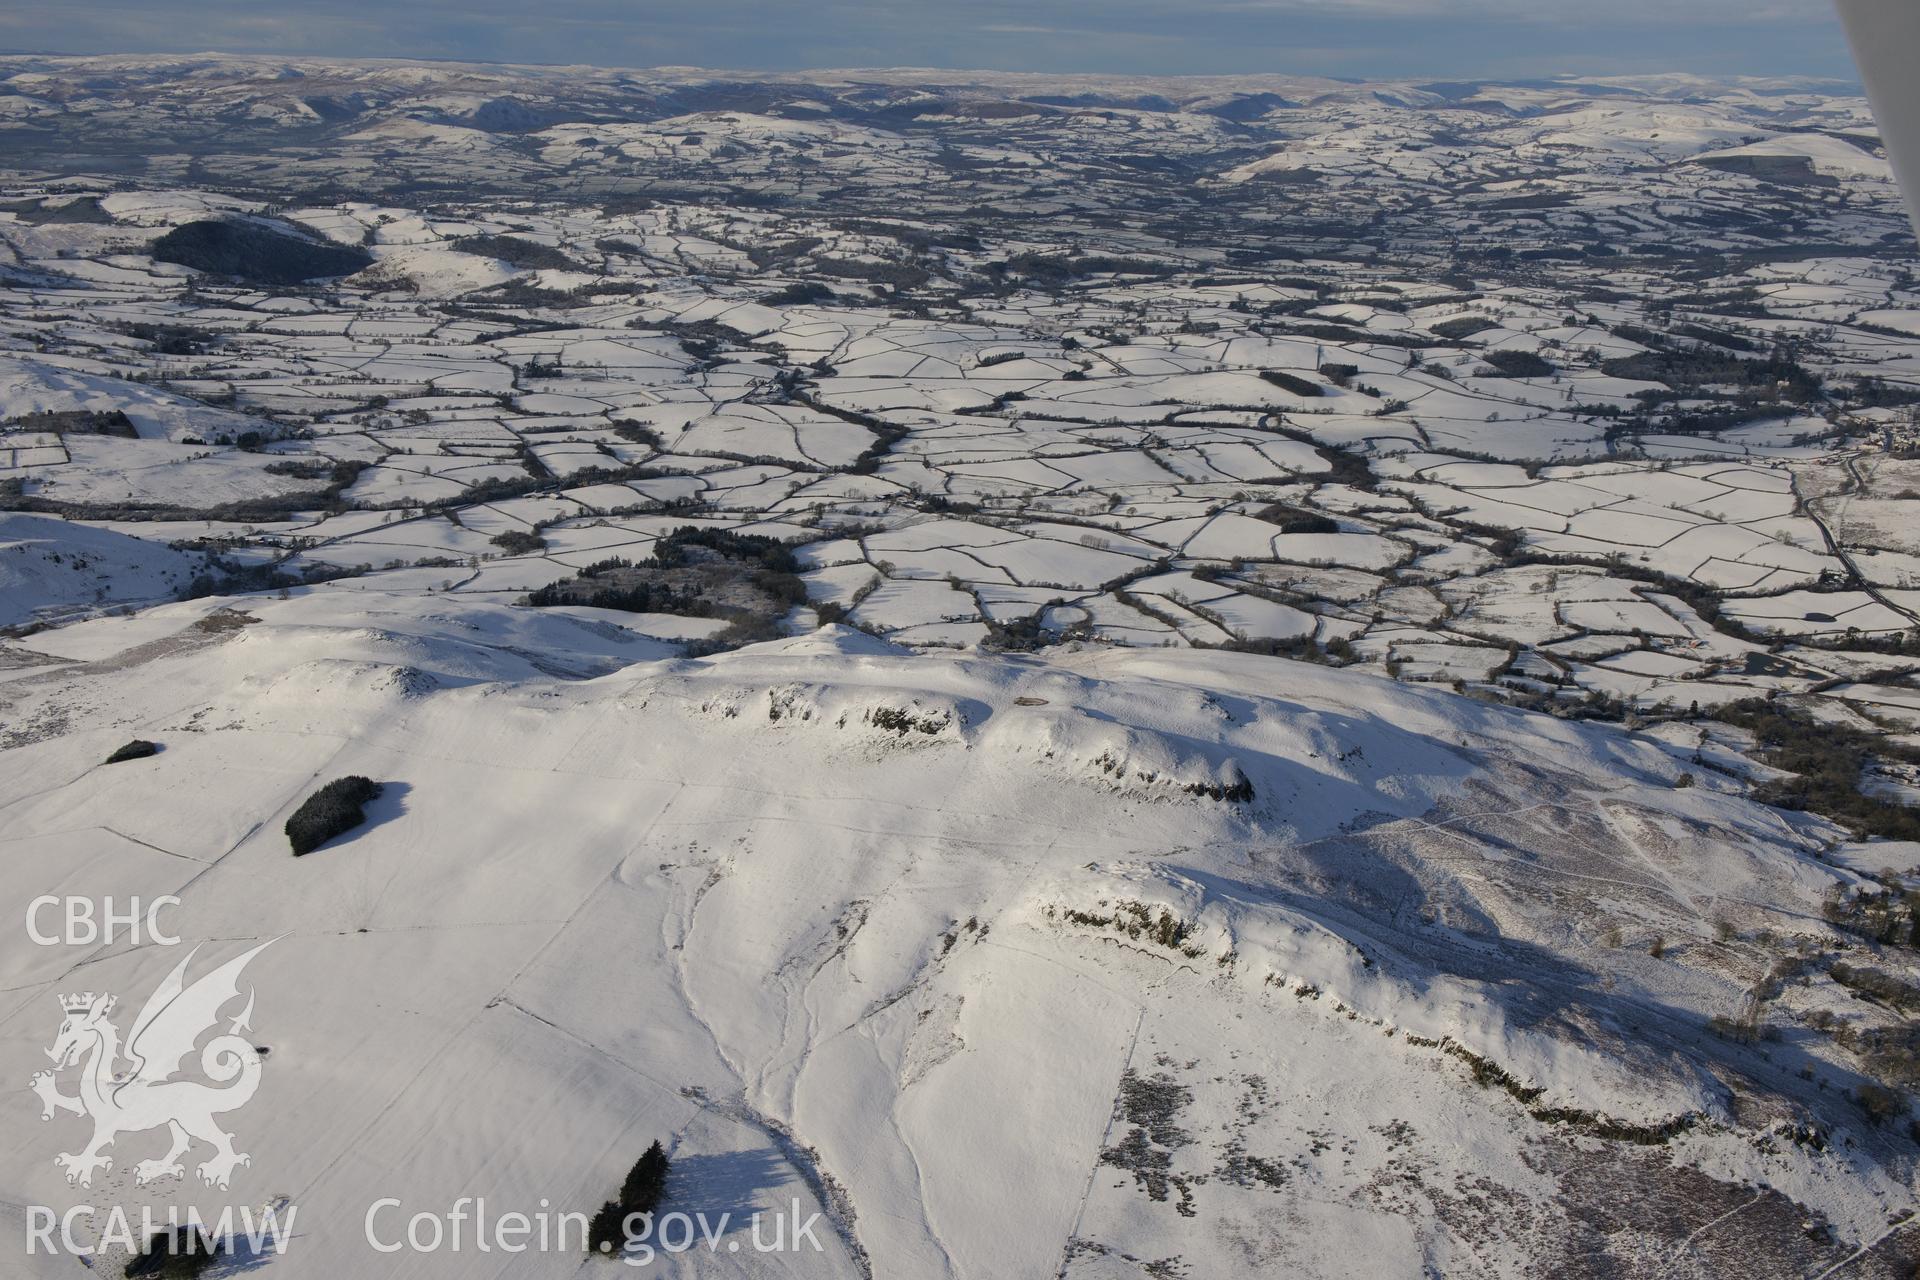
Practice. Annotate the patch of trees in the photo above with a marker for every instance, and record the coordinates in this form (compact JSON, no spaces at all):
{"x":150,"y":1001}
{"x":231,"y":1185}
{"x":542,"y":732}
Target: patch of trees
{"x":901,"y":275}
{"x":991,"y":359}
{"x":176,"y":1253}
{"x":705,"y":340}
{"x":1746,"y":303}
{"x":1642,"y":336}
{"x":301,"y":468}
{"x":1695,"y":332}
{"x":501,"y":322}
{"x":941,"y":503}
{"x":519,"y":542}
{"x":1876,"y":393}
{"x":1518,"y":364}
{"x":1462,"y":327}
{"x":768,"y":256}
{"x":1055,"y":269}
{"x":171,"y":339}
{"x":78,"y":422}
{"x":1779,"y":376}
{"x":1827,"y":761}
{"x":770,"y":553}
{"x":1288,"y":382}
{"x":1878,"y":985}
{"x":1792,"y":171}
{"x":518,"y":295}
{"x":1294,"y":520}
{"x":1718,"y":337}
{"x":919,"y":239}
{"x":1890,"y":1054}
{"x":1030,"y":635}
{"x":138,"y":749}
{"x":1337,"y":333}
{"x":614,"y":247}
{"x":254,"y":253}
{"x":1296,"y":648}
{"x":527,"y":255}
{"x":1888,"y":916}
{"x":1349,"y":468}
{"x":638,"y":433}
{"x":84,"y":210}
{"x":1697,"y":422}
{"x":640,"y":1193}
{"x":1888,"y":1051}
{"x":636,"y":597}
{"x":688,"y":573}
{"x":798,"y":294}
{"x":333,"y":810}
{"x":230,"y":578}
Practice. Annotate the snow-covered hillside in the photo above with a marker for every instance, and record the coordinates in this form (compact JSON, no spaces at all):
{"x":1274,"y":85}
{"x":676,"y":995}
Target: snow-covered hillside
{"x":33,"y":387}
{"x":1018,"y":966}
{"x":47,"y":565}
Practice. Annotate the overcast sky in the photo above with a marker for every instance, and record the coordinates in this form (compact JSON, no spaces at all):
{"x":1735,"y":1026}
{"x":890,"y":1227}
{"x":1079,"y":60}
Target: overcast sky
{"x":1384,"y":38}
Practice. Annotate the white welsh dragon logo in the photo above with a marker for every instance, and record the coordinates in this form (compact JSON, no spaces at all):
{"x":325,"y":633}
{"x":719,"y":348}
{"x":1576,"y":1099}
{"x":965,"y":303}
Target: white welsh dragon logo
{"x":146,"y":1095}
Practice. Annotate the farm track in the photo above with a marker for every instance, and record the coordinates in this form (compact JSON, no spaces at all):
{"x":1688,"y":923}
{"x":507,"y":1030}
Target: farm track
{"x":1856,"y":483}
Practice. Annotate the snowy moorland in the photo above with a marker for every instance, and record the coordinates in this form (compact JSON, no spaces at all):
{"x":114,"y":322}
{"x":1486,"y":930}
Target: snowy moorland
{"x":1086,"y":678}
